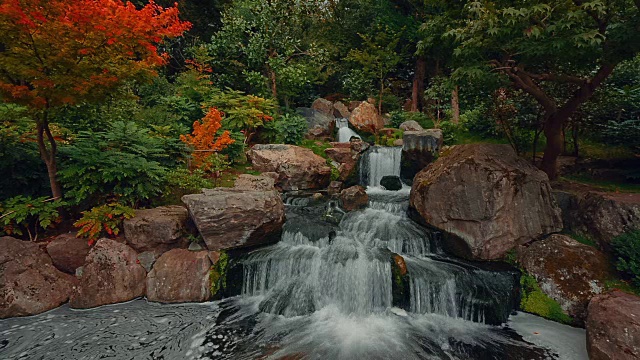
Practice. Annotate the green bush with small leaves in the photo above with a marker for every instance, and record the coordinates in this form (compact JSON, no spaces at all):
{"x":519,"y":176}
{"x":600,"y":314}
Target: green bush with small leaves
{"x":24,"y":215}
{"x":398,"y":117}
{"x":627,"y":249}
{"x":289,"y":129}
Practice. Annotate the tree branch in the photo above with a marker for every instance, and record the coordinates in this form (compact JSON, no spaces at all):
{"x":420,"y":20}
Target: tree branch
{"x":523,"y":81}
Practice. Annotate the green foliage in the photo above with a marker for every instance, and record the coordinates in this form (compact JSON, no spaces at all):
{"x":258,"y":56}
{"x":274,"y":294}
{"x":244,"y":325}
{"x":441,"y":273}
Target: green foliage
{"x":188,"y":181}
{"x":235,"y":151}
{"x":388,"y":140}
{"x":125,"y":162}
{"x":627,"y":249}
{"x":536,"y":302}
{"x":23,"y":214}
{"x":450,"y":132}
{"x":398,"y":117}
{"x":584,"y":240}
{"x":318,"y":147}
{"x":104,"y":220}
{"x":218,"y":274}
{"x":215,"y":164}
{"x":289,"y":129}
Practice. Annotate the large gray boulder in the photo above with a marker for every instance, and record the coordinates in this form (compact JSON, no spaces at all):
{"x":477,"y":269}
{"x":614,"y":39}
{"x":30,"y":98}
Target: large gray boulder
{"x":569,"y":272}
{"x":180,"y":275}
{"x":419,"y":149}
{"x":158,"y":229}
{"x":613,"y":327}
{"x":229,"y":218}
{"x":319,"y":124}
{"x":29,"y":283}
{"x":68,"y":252}
{"x":297,"y":168}
{"x":486,"y":200}
{"x":111,"y":274}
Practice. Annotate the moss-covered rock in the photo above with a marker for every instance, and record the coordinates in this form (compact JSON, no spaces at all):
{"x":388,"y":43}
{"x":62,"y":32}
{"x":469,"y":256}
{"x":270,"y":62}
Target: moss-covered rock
{"x":534,"y":301}
{"x":400,"y":287}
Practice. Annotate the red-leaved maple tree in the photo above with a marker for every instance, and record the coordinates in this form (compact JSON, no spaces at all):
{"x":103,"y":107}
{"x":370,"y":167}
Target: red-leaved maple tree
{"x":57,"y":52}
{"x":203,"y":139}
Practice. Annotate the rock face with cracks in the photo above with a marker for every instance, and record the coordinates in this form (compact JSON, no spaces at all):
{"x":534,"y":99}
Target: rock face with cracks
{"x":231,"y":218}
{"x":486,"y":200}
{"x":180,"y":275}
{"x":613,"y":327}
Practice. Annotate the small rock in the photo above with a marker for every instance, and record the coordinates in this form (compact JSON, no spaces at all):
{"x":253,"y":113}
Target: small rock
{"x":354,"y":198}
{"x":194,"y":246}
{"x":324,"y":106}
{"x":391,"y":182}
{"x":68,"y":252}
{"x":334,"y":188}
{"x":411,"y":125}
{"x":180,"y":275}
{"x":341,"y":110}
{"x":161,"y":228}
{"x":147,"y":259}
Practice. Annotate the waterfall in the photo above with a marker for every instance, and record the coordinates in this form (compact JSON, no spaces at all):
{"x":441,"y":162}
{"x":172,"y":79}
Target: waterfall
{"x":380,"y":161}
{"x":344,"y":132}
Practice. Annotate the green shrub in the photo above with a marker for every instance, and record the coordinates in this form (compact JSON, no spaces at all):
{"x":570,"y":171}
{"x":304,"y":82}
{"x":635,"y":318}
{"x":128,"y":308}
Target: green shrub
{"x":22,"y":214}
{"x":235,"y":150}
{"x":398,"y":117}
{"x":536,"y":302}
{"x":105,"y":220}
{"x":289,"y":129}
{"x":124,"y":163}
{"x":188,"y":181}
{"x":627,"y":250}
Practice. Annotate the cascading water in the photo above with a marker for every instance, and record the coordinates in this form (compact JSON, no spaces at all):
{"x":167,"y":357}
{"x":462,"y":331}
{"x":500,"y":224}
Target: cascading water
{"x":380,"y":161}
{"x":330,"y":289}
{"x":344,"y":132}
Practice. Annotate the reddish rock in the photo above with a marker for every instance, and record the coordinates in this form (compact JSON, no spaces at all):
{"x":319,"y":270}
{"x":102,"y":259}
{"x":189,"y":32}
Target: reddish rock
{"x":255,"y":183}
{"x":324,"y":106}
{"x":341,"y":110}
{"x":160,"y":229}
{"x":613,"y":327}
{"x":486,"y":200}
{"x":111,"y":274}
{"x":569,"y":272}
{"x":340,"y":145}
{"x":341,"y":155}
{"x":230,"y":218}
{"x":68,"y":252}
{"x":366,"y":118}
{"x":400,"y":263}
{"x":354,"y":198}
{"x":298,"y":168}
{"x":180,"y":275}
{"x":29,"y":283}
{"x":334,"y":188}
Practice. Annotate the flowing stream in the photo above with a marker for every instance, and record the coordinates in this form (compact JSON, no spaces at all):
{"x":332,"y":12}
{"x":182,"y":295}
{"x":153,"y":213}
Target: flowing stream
{"x":330,"y":289}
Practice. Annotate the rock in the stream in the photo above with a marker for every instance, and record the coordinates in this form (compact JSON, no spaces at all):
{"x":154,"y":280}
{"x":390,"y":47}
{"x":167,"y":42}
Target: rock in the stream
{"x":180,"y":275}
{"x":391,"y":182}
{"x":613,"y":327}
{"x":354,"y":198}
{"x":298,"y":168}
{"x":569,"y":272}
{"x":111,"y":274}
{"x":29,"y":283}
{"x":68,"y":252}
{"x":230,"y":218}
{"x":486,"y":200}
{"x":159,"y":229}
{"x":366,"y":118}
{"x":419,"y":149}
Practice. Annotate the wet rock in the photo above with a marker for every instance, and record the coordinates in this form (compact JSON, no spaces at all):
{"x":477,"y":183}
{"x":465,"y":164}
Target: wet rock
{"x":358,"y":145}
{"x":340,"y":110}
{"x":419,"y":149}
{"x":180,"y":275}
{"x":366,"y":118}
{"x":324,"y":106}
{"x":567,"y":271}
{"x":29,"y":283}
{"x":486,"y":200}
{"x":613,"y":327}
{"x":111,"y":274}
{"x":298,"y":168}
{"x":68,"y":252}
{"x":411,"y":125}
{"x":254,"y":183}
{"x":334,"y":188}
{"x":158,"y":229}
{"x":354,"y":198}
{"x":391,"y":182}
{"x":230,"y":218}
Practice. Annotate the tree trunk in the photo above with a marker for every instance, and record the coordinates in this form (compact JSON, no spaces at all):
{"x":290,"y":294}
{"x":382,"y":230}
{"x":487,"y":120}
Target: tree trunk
{"x":455,"y":105}
{"x":48,"y":155}
{"x":553,"y":133}
{"x":417,"y":97}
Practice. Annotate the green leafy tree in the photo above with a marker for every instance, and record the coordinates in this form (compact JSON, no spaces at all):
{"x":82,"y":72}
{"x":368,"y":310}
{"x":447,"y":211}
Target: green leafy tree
{"x":558,"y":52}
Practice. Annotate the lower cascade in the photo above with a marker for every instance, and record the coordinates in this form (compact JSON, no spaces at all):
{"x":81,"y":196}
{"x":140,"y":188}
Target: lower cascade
{"x":369,"y":284}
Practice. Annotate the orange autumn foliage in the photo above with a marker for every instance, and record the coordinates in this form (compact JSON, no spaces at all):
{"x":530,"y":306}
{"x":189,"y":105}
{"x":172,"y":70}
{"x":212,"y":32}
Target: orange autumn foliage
{"x":58,"y":52}
{"x":203,"y":138}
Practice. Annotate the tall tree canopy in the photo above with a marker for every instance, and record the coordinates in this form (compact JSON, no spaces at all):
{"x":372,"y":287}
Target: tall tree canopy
{"x":558,"y":52}
{"x":58,"y":52}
